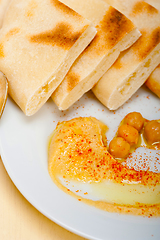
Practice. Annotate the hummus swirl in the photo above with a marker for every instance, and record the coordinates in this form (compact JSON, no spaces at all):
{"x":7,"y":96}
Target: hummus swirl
{"x":77,"y":152}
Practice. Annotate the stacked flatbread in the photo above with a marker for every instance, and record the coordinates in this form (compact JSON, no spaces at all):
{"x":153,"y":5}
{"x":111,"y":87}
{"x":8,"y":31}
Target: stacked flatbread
{"x":153,"y":82}
{"x":39,"y":41}
{"x":115,"y":33}
{"x":134,"y":65}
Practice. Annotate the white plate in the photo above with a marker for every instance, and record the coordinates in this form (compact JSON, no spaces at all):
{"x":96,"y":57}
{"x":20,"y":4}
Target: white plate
{"x":23,"y":142}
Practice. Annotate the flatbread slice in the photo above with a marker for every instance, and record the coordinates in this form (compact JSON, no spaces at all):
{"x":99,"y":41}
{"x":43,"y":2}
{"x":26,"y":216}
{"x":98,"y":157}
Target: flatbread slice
{"x":153,"y":82}
{"x":134,"y":65}
{"x":3,"y":7}
{"x":115,"y":32}
{"x":39,"y":41}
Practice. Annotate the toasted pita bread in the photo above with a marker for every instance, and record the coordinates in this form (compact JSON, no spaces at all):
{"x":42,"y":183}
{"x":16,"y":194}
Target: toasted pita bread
{"x":115,"y":32}
{"x":134,"y":65}
{"x":3,"y":7}
{"x":39,"y":41}
{"x":153,"y":82}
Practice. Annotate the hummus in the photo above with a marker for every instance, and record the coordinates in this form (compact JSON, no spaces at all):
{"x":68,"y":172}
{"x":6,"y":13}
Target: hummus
{"x":78,"y":154}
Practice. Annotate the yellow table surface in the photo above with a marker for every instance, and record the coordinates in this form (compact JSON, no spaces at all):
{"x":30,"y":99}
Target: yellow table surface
{"x":19,"y":220}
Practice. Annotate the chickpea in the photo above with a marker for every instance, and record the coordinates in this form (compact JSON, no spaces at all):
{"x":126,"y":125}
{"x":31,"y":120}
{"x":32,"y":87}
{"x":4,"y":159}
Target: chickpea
{"x":119,"y":148}
{"x":129,"y":133}
{"x":135,"y":120}
{"x":152,"y":132}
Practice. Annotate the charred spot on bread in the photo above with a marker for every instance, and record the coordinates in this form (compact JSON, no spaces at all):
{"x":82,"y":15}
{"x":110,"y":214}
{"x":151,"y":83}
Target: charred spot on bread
{"x":12,"y":32}
{"x":115,"y":25}
{"x":146,"y":43}
{"x":62,"y":36}
{"x":1,"y":50}
{"x":143,"y":7}
{"x":118,"y":64}
{"x":111,"y":29}
{"x":72,"y":80}
{"x":64,"y":8}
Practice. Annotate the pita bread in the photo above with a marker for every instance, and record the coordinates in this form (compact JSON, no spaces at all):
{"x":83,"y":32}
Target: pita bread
{"x":153,"y":82}
{"x":115,"y":32}
{"x":39,"y":41}
{"x":3,"y":92}
{"x":3,"y":7}
{"x":134,"y":65}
